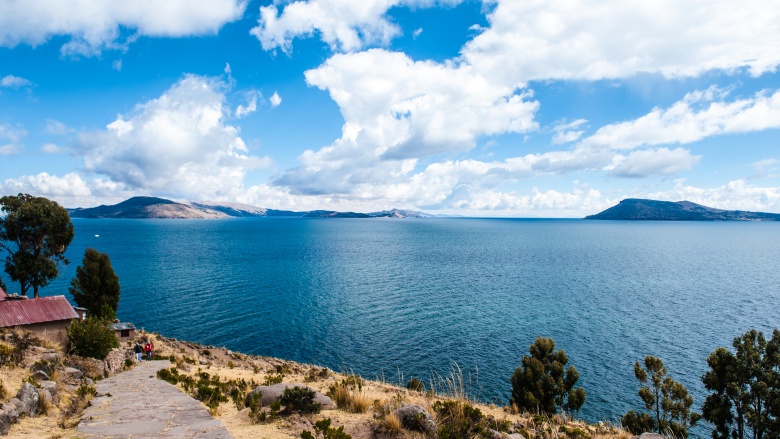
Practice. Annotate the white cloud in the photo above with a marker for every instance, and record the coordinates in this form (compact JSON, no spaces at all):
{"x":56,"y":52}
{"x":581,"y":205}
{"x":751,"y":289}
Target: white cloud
{"x":178,"y":143}
{"x":94,"y":25}
{"x":396,"y":111}
{"x":345,"y":25}
{"x":649,"y":162}
{"x":70,"y":190}
{"x":117,"y":65}
{"x":51,"y":148}
{"x":276,"y":100}
{"x":250,"y":107}
{"x":540,"y":40}
{"x":11,"y":81}
{"x":565,"y":132}
{"x":692,"y":119}
{"x":11,"y":139}
{"x":734,"y":195}
{"x":417,"y":32}
{"x":767,"y":168}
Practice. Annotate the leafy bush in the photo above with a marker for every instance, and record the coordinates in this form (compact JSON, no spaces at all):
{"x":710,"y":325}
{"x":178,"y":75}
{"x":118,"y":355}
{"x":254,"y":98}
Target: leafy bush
{"x":91,"y":338}
{"x":323,"y":430}
{"x":210,"y":390}
{"x":300,"y":399}
{"x":415,"y":385}
{"x":638,"y":423}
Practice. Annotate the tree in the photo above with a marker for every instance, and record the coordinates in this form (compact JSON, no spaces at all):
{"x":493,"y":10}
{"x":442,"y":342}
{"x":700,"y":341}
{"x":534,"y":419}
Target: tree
{"x":91,"y":338}
{"x":2,"y":285}
{"x":542,"y":384}
{"x":667,"y":398}
{"x":96,"y":286}
{"x":35,"y":232}
{"x":745,"y":386}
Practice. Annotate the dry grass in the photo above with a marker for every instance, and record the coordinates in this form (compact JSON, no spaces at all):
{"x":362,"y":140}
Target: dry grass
{"x":392,"y":423}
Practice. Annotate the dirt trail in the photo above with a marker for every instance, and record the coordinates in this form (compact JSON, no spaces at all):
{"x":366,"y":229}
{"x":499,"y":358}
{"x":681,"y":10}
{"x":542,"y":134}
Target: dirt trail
{"x":135,"y":404}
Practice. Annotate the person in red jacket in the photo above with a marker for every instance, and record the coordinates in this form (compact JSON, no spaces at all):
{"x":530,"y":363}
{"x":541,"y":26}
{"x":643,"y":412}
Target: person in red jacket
{"x":148,"y":349}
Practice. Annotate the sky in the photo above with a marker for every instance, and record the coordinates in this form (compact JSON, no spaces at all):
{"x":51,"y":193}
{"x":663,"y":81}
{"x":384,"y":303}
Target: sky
{"x":499,"y":108}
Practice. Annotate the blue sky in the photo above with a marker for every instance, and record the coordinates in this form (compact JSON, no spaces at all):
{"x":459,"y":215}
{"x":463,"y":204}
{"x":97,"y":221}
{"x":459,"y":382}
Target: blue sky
{"x":493,"y":108}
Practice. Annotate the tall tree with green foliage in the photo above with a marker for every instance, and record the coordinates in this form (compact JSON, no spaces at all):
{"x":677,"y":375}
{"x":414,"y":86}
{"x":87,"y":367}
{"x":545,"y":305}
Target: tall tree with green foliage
{"x":96,"y":286}
{"x":2,"y":285}
{"x":35,"y":232}
{"x":745,"y":388}
{"x":542,"y":384}
{"x":668,"y":399}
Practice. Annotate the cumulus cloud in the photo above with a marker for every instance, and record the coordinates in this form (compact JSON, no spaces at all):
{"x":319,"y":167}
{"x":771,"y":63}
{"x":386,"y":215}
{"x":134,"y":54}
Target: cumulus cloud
{"x":346,"y":25}
{"x":398,"y":110}
{"x":734,"y":195}
{"x":94,"y":25}
{"x":699,"y":115}
{"x":70,"y":190}
{"x":276,"y":100}
{"x":539,"y":40}
{"x":11,"y":81}
{"x":250,"y":107}
{"x":648,"y":162}
{"x":178,"y":143}
{"x":11,"y":138}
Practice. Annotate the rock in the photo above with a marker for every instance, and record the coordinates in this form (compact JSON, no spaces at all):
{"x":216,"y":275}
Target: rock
{"x":45,"y":396}
{"x":115,"y":361}
{"x":41,"y":376}
{"x":89,"y":381}
{"x":203,"y":362}
{"x":51,"y":358}
{"x":273,"y":393}
{"x":17,"y":404}
{"x":42,"y":366}
{"x":28,"y":395}
{"x":650,"y":436}
{"x":414,"y":417}
{"x":51,"y":386}
{"x":71,"y":372}
{"x":8,"y":417}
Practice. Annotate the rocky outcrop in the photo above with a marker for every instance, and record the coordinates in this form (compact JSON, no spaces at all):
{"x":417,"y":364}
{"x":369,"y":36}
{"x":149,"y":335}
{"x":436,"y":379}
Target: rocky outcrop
{"x":414,"y":417}
{"x":29,"y":398}
{"x":115,"y":360}
{"x":274,"y":392}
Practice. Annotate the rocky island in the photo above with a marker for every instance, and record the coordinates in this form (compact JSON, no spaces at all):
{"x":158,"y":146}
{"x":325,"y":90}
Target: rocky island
{"x":653,"y":210}
{"x":161,"y":208}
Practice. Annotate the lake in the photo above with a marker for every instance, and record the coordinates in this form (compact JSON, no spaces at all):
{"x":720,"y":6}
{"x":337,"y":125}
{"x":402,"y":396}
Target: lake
{"x":396,"y":299}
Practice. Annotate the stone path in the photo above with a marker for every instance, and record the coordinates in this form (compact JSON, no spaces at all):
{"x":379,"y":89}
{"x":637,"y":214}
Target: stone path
{"x":141,"y":406}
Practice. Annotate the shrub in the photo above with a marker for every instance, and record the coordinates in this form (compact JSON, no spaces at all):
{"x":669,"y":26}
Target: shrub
{"x":458,"y":420}
{"x":270,"y":380}
{"x":3,"y":392}
{"x":348,"y":395}
{"x":22,"y":340}
{"x":415,"y":385}
{"x":300,"y":399}
{"x":91,"y":338}
{"x":323,"y":430}
{"x":6,"y":354}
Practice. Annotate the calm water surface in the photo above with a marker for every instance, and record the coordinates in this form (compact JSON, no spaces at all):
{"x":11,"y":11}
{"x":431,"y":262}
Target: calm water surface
{"x":386,"y":298}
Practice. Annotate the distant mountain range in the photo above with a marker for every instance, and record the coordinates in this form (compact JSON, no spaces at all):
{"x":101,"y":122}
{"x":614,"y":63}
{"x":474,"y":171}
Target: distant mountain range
{"x":153,"y":207}
{"x":652,"y":210}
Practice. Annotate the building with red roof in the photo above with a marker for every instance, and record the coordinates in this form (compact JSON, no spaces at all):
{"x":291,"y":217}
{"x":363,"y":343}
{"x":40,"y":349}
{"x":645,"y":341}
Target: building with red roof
{"x":47,"y":317}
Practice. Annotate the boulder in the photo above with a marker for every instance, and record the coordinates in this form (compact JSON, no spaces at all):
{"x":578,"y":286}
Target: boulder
{"x":51,"y":358}
{"x":73,"y":373}
{"x":414,"y":417}
{"x":115,"y":361}
{"x":28,"y":395}
{"x":42,"y":366}
{"x":40,"y":375}
{"x":51,"y":386}
{"x":8,"y":417}
{"x":273,"y":393}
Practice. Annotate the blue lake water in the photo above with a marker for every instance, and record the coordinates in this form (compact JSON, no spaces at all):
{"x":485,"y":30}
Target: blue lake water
{"x":385,"y":298}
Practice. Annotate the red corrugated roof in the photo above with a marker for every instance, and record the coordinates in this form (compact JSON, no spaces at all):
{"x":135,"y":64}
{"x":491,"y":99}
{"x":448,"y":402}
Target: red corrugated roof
{"x":42,"y":309}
